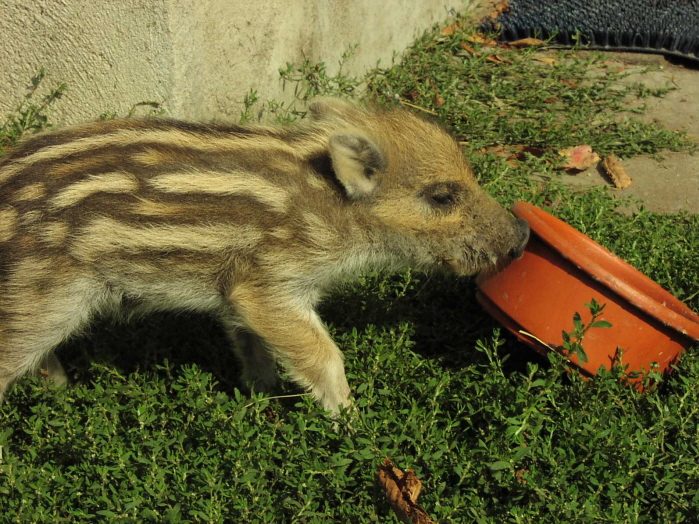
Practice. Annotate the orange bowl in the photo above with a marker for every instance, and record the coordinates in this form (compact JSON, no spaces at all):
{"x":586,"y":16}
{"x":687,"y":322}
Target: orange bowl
{"x":561,"y":270}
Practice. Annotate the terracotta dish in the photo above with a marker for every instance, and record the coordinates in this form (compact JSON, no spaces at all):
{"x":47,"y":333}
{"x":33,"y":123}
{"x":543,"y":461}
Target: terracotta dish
{"x":536,"y":297}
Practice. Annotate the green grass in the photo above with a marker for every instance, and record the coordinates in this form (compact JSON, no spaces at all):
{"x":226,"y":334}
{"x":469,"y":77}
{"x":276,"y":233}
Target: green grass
{"x":153,"y":428}
{"x":30,"y":114}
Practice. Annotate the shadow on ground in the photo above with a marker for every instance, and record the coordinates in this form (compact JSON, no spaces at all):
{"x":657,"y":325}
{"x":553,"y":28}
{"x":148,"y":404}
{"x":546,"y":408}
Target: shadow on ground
{"x":445,"y":320}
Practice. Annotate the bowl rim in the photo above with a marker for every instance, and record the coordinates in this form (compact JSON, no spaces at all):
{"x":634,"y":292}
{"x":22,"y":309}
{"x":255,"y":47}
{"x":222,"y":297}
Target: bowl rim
{"x":610,"y":270}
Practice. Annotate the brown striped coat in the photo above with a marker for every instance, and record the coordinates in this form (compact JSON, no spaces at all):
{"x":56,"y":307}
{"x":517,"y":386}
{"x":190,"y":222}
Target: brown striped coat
{"x":251,"y":224}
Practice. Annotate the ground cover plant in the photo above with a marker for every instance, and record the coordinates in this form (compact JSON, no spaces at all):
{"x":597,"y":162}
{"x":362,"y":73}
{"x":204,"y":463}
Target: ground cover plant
{"x":153,"y":428}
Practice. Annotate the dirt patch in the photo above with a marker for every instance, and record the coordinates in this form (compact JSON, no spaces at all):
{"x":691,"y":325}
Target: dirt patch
{"x":668,"y":183}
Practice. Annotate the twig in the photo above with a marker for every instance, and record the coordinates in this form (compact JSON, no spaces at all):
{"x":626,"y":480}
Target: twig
{"x":275,"y":398}
{"x":527,"y":334}
{"x":419,"y":108}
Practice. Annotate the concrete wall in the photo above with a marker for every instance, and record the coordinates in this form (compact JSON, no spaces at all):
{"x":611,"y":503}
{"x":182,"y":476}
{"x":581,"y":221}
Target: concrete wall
{"x":197,"y":57}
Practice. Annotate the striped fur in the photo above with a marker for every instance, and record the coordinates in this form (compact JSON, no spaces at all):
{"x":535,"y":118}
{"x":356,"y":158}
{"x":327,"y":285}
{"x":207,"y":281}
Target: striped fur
{"x":253,"y":225}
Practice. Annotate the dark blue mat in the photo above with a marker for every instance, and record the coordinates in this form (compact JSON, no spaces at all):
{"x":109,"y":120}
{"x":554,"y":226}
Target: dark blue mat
{"x":668,"y":27}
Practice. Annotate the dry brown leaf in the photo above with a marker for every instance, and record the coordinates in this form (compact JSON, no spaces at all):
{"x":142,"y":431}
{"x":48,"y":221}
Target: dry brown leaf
{"x":438,"y":100}
{"x":496,"y":59}
{"x":412,"y":95}
{"x":513,"y":152}
{"x":496,"y":150}
{"x":499,"y":9}
{"x":544,"y":59}
{"x":526,"y":42}
{"x":520,"y":476}
{"x":532,"y":150}
{"x":481,"y":39}
{"x":402,"y":491}
{"x":579,"y":158}
{"x":616,"y":172}
{"x":450,"y":29}
{"x":413,"y":486}
{"x":470,"y":50}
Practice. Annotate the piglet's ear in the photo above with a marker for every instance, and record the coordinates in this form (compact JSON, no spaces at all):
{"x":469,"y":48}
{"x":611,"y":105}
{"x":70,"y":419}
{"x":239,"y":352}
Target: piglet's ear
{"x":326,"y":108}
{"x":356,"y":160}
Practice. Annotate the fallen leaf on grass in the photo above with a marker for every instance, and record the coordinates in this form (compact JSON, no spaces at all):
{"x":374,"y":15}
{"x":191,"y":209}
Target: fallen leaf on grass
{"x":579,"y":158}
{"x":438,"y":100}
{"x":513,"y":153}
{"x":616,"y":172}
{"x":487,"y":51}
{"x":451,"y":29}
{"x":532,"y":150}
{"x":481,"y":39}
{"x":412,"y":95}
{"x":499,"y":8}
{"x":526,"y":42}
{"x":496,"y":59}
{"x":498,"y":150}
{"x":402,"y":491}
{"x":470,"y":50}
{"x":544,"y":59}
{"x":521,"y":476}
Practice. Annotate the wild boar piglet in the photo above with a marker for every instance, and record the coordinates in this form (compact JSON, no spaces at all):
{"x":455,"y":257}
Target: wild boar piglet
{"x":251,"y":224}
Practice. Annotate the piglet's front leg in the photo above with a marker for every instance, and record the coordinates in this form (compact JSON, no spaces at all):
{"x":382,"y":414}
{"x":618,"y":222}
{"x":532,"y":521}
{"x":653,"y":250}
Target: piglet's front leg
{"x":299,"y":340}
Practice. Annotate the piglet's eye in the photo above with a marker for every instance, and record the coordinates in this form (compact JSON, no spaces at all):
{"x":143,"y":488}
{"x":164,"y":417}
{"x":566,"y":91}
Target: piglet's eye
{"x":443,"y":199}
{"x":442,"y":195}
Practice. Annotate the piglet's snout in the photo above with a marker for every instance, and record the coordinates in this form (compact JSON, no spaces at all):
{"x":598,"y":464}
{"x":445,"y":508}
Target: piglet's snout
{"x":523,"y":237}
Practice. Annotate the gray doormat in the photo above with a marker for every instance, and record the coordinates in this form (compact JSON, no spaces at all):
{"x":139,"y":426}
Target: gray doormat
{"x":669,"y":27}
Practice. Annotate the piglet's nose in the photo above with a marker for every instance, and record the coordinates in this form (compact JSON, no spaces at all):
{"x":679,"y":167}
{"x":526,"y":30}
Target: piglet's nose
{"x":523,"y":231}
